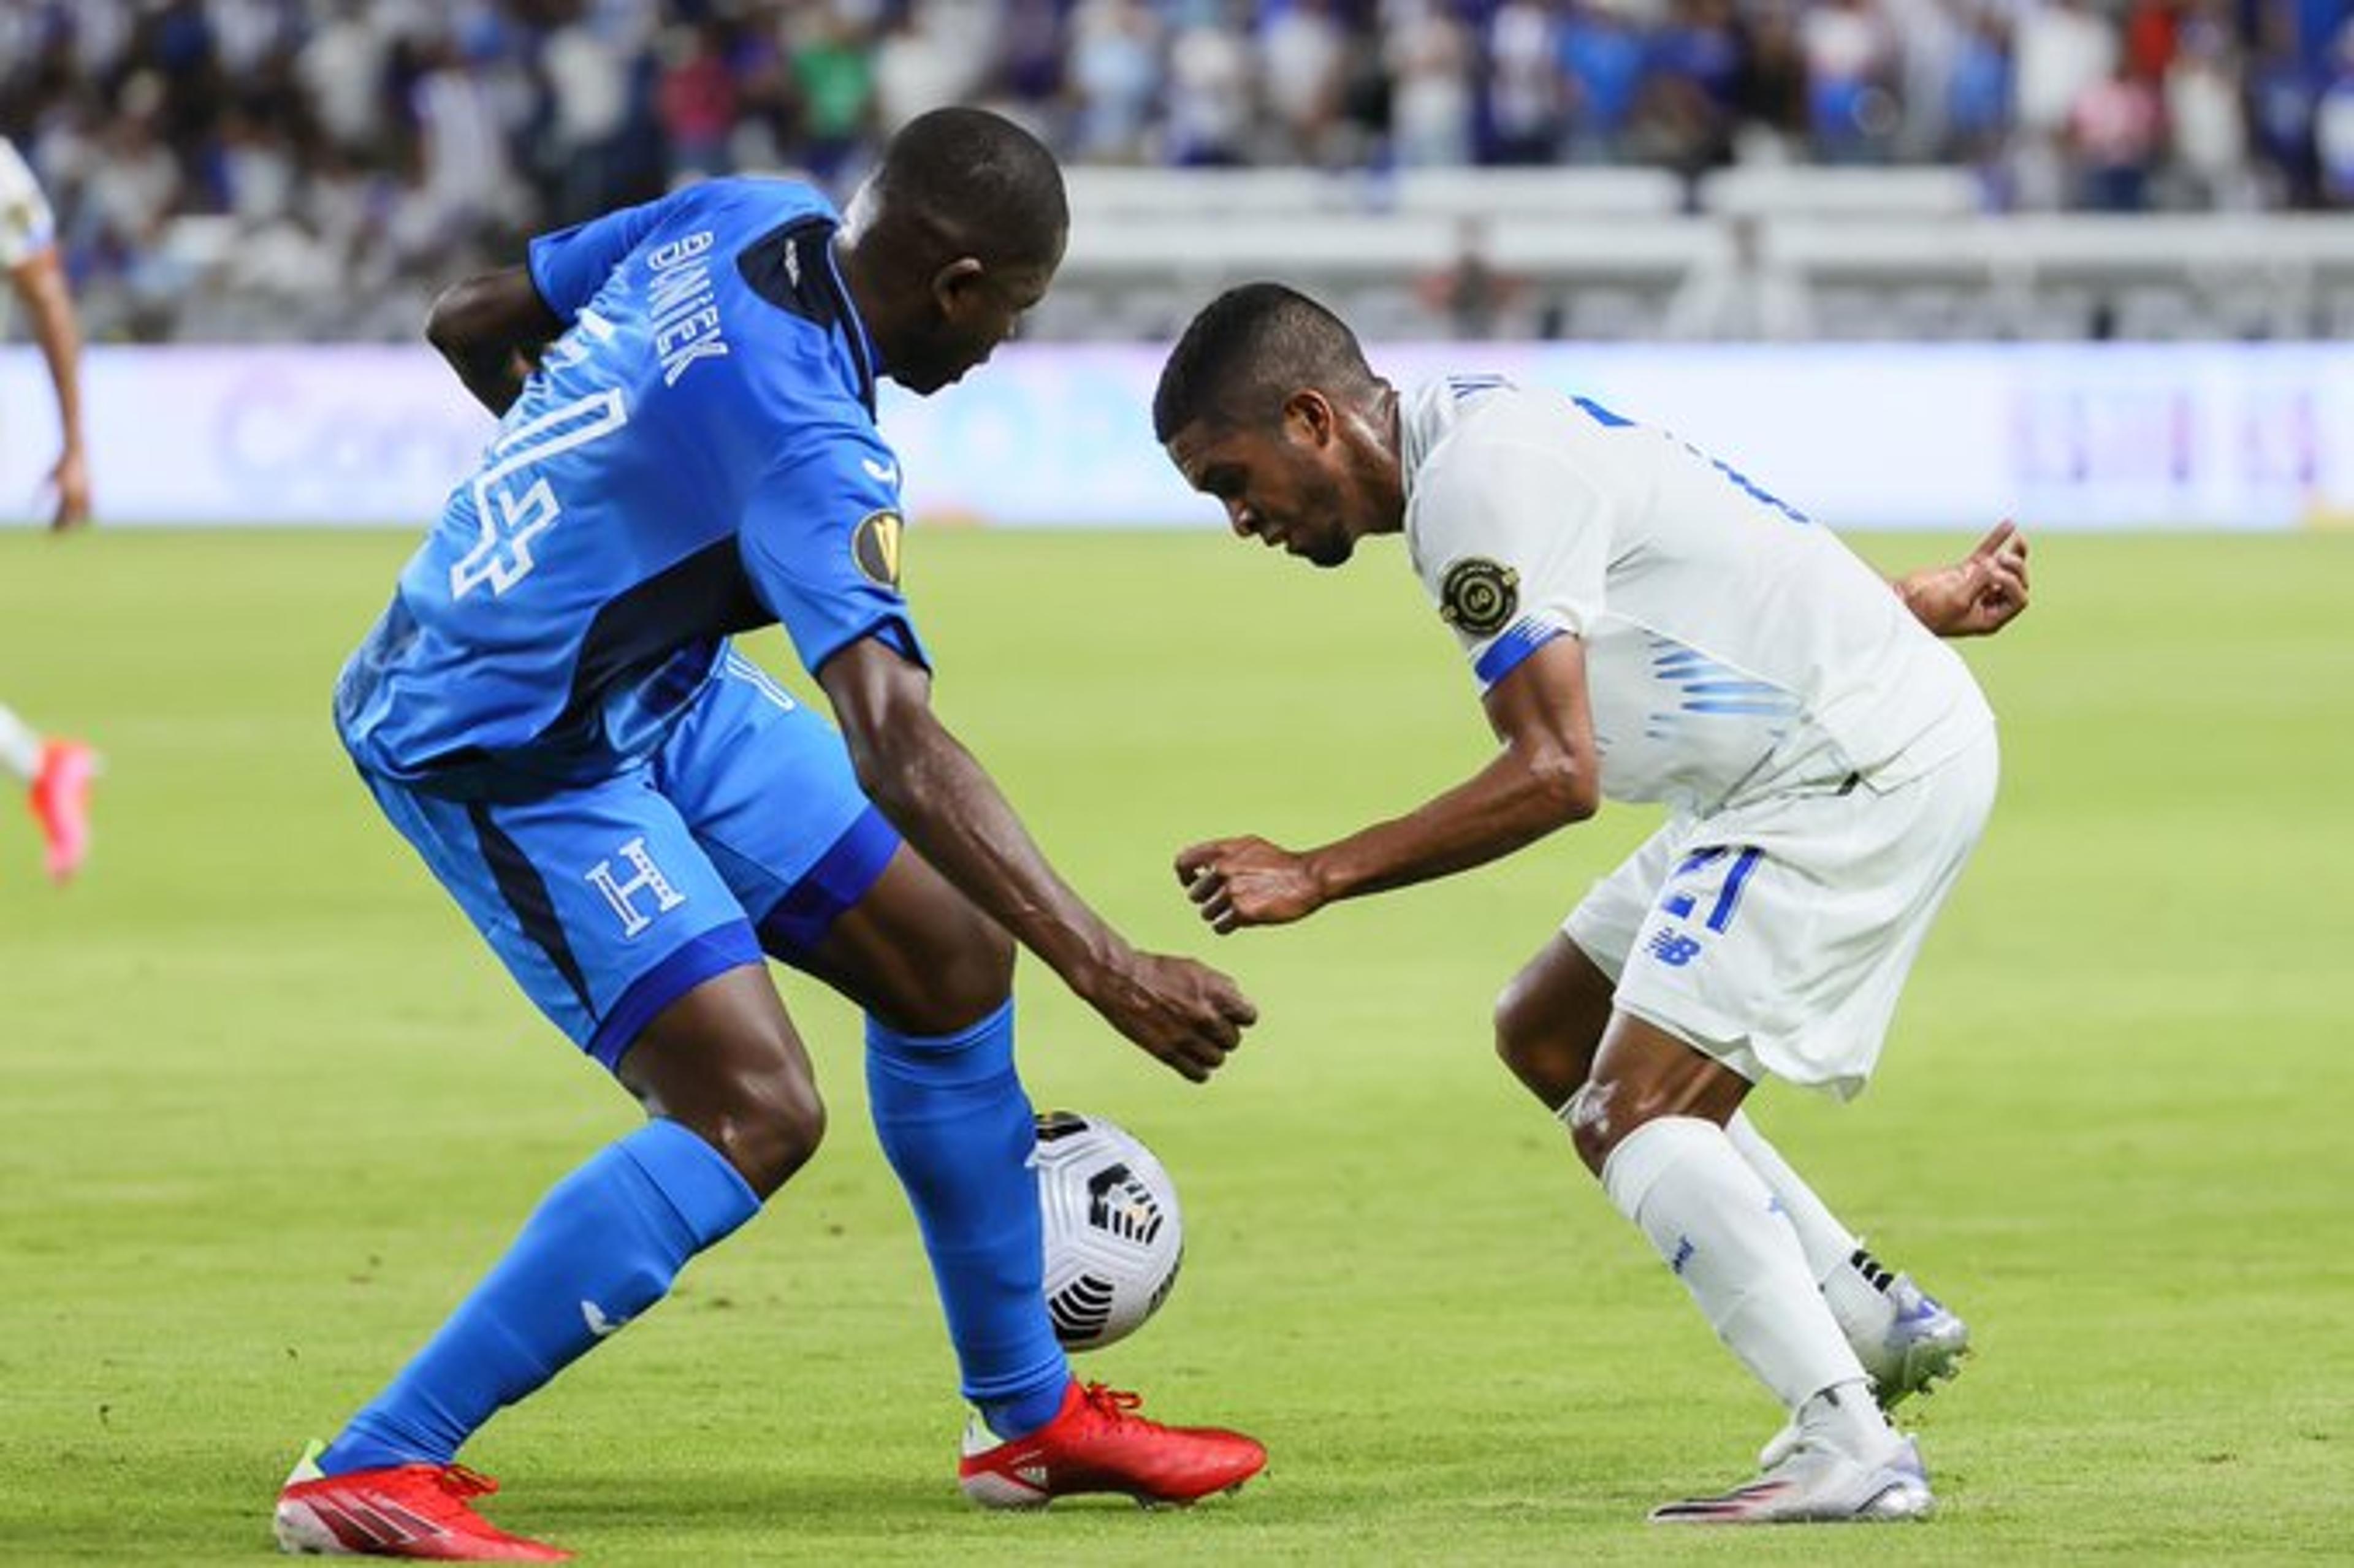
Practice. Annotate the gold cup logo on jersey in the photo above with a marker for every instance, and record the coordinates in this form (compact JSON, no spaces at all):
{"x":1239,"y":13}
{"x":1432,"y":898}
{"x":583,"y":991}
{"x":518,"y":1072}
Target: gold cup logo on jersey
{"x":875,"y":545}
{"x":1478,"y":597}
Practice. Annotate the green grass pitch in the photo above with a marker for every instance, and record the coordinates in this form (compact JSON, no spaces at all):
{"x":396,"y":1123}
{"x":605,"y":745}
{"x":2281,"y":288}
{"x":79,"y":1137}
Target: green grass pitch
{"x":265,"y":1107}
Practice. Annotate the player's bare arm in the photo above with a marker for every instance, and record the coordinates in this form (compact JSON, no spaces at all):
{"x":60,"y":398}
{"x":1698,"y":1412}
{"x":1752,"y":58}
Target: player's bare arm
{"x":1976,"y":595}
{"x":491,"y":328}
{"x":1544,"y":776}
{"x":934,"y":791}
{"x":40,"y":285}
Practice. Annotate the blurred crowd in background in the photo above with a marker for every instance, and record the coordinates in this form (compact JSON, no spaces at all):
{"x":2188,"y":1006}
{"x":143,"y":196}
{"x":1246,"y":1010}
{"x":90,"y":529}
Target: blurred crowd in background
{"x":278,"y":168}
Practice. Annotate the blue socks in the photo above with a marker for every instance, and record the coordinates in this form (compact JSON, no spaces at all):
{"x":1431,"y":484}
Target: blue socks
{"x":607,"y":1240}
{"x":601,"y":1248}
{"x":957,"y":1127}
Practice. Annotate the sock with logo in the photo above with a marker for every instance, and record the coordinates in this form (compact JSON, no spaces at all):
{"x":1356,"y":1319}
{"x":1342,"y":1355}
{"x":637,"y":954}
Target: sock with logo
{"x":602,"y":1246}
{"x":1851,"y":1280}
{"x":1710,"y":1216}
{"x":958,"y":1129}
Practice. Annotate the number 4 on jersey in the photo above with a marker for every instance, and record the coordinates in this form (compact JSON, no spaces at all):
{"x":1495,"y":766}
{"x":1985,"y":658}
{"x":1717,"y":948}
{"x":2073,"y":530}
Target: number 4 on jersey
{"x":512,"y":518}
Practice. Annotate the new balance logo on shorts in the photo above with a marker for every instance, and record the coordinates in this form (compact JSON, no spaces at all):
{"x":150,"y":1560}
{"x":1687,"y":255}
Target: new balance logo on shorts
{"x":645,"y":881}
{"x":1674,"y":950}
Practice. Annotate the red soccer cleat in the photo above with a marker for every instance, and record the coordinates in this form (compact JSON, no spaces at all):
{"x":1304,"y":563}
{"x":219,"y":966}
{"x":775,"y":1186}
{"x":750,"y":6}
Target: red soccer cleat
{"x":403,"y":1510}
{"x":1096,"y":1445}
{"x":60,"y":803}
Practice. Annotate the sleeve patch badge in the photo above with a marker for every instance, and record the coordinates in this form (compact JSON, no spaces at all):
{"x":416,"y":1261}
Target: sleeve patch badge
{"x":875,"y":545}
{"x":1478,"y":595}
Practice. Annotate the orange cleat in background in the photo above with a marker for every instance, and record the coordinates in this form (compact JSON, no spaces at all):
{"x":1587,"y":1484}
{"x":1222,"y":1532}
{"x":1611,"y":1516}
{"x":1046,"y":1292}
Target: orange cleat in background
{"x":60,"y":803}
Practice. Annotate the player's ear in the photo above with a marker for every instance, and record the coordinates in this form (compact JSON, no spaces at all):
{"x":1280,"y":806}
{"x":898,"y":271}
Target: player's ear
{"x":957,"y":287}
{"x":1309,"y":416}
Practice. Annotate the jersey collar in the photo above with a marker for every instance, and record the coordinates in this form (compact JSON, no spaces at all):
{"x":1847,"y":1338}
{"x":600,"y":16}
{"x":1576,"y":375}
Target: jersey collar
{"x":862,"y":342}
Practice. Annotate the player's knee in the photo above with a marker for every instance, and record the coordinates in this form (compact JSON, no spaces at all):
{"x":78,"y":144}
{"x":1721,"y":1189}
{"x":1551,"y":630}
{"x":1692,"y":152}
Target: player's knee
{"x":1603,"y":1114}
{"x":767,"y":1126}
{"x":980,"y":970}
{"x":1517,"y":1023}
{"x":969,"y":975}
{"x":1538,"y":1044}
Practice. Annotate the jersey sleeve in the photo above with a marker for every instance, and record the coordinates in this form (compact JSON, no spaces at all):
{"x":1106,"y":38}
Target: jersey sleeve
{"x":569,"y":265}
{"x":821,"y":543}
{"x":1510,"y":542}
{"x":27,"y":228}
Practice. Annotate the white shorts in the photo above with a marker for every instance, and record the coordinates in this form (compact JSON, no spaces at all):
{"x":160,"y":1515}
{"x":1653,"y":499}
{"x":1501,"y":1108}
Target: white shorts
{"x":1777,"y":936}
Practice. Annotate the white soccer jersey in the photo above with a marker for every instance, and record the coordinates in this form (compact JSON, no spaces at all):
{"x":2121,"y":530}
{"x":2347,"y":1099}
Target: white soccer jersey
{"x":1734,"y":651}
{"x":27,"y":228}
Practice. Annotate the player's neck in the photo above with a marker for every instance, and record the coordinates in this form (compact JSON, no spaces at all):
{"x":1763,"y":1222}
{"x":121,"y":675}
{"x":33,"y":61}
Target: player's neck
{"x":1387,"y":479}
{"x":866,"y":297}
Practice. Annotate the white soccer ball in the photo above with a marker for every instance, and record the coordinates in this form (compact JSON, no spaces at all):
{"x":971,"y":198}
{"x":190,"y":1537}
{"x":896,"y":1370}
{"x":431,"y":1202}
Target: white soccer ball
{"x":1114,"y":1235}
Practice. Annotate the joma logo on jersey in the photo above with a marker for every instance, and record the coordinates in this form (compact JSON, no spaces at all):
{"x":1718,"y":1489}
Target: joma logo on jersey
{"x":645,"y":881}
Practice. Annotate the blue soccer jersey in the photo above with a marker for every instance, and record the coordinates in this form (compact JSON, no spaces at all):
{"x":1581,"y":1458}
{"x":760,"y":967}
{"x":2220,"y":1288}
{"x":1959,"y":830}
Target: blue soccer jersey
{"x":697,"y":456}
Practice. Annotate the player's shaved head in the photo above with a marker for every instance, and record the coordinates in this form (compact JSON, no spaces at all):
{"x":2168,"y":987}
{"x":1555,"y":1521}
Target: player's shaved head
{"x":965,"y":182}
{"x":1246,"y":351}
{"x":952,"y":239}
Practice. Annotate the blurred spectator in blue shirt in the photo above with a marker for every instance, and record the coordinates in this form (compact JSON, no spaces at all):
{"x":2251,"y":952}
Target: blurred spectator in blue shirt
{"x":1604,"y":58}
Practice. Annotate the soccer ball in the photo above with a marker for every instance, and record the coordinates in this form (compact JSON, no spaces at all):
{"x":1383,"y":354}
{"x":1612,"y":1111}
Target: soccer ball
{"x":1114,"y":1237}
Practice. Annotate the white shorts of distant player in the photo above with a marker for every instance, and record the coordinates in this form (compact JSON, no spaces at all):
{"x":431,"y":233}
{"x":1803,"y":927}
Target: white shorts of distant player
{"x":1776,"y":935}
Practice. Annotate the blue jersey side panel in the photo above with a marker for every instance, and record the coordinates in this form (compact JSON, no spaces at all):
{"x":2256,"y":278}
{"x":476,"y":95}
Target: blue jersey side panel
{"x":697,"y":456}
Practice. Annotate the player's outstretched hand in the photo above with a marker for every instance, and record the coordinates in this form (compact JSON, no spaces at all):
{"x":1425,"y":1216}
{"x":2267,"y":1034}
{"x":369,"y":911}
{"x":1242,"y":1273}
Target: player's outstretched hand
{"x":1185,"y":1012}
{"x":1248,"y":881}
{"x":1977,"y":594}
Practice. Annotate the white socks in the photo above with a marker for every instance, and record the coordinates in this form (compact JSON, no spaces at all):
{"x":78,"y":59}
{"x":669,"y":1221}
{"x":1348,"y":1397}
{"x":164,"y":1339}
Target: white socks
{"x":1834,"y":1252}
{"x":20,"y":746}
{"x":1716,"y":1222}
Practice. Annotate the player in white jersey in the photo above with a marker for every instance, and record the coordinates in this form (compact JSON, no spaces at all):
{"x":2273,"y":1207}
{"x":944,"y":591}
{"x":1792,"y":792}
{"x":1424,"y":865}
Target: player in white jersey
{"x":1646,"y":624}
{"x":28,"y":253}
{"x":57,"y":773}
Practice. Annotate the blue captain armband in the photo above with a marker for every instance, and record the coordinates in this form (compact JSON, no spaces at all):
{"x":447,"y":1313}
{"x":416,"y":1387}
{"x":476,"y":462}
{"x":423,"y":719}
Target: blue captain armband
{"x":1503,"y":656}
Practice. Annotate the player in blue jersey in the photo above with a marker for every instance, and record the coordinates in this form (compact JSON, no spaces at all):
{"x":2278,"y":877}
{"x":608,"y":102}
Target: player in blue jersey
{"x":635,"y":816}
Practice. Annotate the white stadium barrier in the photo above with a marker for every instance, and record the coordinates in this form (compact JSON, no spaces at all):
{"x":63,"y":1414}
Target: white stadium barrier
{"x":2213,"y":436}
{"x":1781,"y":252}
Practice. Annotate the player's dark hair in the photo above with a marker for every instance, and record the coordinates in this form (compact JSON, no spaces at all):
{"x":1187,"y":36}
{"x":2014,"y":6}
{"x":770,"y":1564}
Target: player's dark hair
{"x":1248,"y":349}
{"x":978,"y":185}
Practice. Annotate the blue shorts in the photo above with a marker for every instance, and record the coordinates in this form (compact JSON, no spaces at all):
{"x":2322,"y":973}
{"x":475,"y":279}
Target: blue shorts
{"x":608,"y":901}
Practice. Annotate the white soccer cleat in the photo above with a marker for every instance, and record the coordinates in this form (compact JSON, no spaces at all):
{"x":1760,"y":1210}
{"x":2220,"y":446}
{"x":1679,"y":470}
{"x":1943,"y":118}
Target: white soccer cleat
{"x":1816,"y":1483}
{"x":1924,"y":1345}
